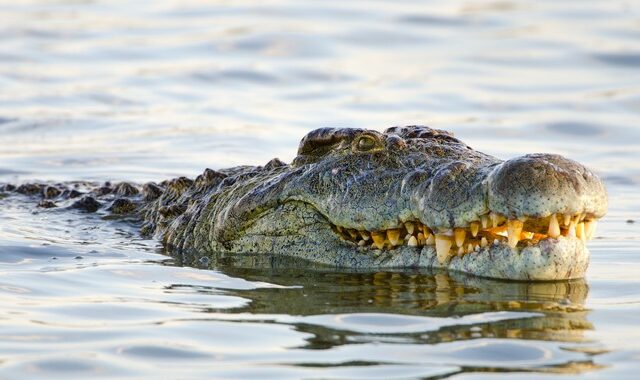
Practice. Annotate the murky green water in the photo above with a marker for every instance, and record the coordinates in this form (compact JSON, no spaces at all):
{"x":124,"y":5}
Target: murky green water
{"x":150,"y":90}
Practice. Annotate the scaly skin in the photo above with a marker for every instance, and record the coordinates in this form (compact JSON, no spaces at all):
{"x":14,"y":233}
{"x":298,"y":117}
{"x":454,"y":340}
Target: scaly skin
{"x":348,"y":183}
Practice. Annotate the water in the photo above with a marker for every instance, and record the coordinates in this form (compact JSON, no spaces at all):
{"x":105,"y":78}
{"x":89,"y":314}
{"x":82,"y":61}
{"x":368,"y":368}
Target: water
{"x":141,"y":91}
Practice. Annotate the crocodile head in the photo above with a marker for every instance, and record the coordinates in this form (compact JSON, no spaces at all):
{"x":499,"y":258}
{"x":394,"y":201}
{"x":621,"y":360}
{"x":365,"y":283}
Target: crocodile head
{"x":417,"y":197}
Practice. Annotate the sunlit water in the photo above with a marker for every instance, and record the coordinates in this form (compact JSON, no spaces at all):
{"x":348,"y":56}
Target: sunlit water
{"x":123,"y":90}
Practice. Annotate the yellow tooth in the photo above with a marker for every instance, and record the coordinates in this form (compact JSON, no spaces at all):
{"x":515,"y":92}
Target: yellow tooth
{"x":496,"y":241}
{"x":575,"y":220}
{"x":394,"y":236}
{"x":361,"y":243}
{"x":410,"y":227}
{"x":566,"y":219}
{"x":413,"y":242}
{"x":430,"y":240}
{"x":365,"y":235}
{"x":474,"y":227}
{"x":443,"y":245}
{"x":407,"y":236}
{"x":420,"y":226}
{"x":580,"y":233}
{"x":572,"y":229}
{"x":514,"y":229}
{"x":484,"y":221}
{"x":484,"y":242}
{"x":476,"y":248}
{"x":554,"y":227}
{"x":590,"y":229}
{"x":353,"y":233}
{"x":469,"y":247}
{"x":496,"y":219}
{"x":378,"y":239}
{"x":459,"y":234}
{"x":461,"y":251}
{"x":339,"y":229}
{"x":421,"y":238}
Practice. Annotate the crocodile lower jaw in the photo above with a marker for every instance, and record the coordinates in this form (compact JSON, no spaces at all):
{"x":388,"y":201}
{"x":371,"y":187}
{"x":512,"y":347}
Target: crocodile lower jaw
{"x":490,"y":230}
{"x":551,"y":259}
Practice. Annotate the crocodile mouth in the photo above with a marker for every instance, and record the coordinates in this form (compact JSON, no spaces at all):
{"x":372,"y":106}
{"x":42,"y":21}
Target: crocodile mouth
{"x":490,"y":229}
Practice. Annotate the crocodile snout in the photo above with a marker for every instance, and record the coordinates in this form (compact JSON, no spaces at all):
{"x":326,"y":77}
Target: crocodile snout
{"x":537,"y":185}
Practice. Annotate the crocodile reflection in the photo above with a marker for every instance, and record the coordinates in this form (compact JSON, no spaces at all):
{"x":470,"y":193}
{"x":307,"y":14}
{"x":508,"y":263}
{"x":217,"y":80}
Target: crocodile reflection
{"x":559,"y":307}
{"x":563,"y":316}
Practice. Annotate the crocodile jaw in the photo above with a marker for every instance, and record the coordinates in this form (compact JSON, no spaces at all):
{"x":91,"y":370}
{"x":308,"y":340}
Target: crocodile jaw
{"x":316,"y":240}
{"x":563,"y":258}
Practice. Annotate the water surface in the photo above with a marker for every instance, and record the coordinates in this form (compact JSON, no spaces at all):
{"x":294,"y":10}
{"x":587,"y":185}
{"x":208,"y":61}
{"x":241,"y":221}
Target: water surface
{"x":138,"y":91}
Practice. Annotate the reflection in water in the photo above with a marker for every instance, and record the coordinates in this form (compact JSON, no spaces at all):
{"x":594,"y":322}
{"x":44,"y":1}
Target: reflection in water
{"x":550,"y":311}
{"x":440,"y":295}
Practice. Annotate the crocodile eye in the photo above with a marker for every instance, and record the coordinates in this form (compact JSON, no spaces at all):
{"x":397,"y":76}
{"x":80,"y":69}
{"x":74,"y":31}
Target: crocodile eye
{"x":366,"y":143}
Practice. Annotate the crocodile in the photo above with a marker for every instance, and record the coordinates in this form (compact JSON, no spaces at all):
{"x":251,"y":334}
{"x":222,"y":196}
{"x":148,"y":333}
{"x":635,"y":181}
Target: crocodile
{"x":409,"y":197}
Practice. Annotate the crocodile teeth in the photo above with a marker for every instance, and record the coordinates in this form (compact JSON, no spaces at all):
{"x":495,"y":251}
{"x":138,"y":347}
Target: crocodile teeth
{"x":430,"y":240}
{"x":459,"y":235}
{"x":496,"y":219}
{"x":580,"y":233}
{"x":590,"y":228}
{"x":443,"y":245}
{"x":378,"y":239}
{"x":410,"y":227}
{"x":514,"y":229}
{"x":465,"y":240}
{"x":474,"y":227}
{"x":394,"y":236}
{"x":484,"y":221}
{"x":554,"y":227}
{"x":572,"y":228}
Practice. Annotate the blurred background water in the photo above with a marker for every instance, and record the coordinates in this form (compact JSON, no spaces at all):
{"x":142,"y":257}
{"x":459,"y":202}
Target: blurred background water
{"x":147,"y":90}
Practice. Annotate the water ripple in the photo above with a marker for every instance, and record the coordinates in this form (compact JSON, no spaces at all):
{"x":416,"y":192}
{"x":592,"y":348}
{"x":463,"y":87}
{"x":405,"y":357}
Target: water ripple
{"x":97,"y":90}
